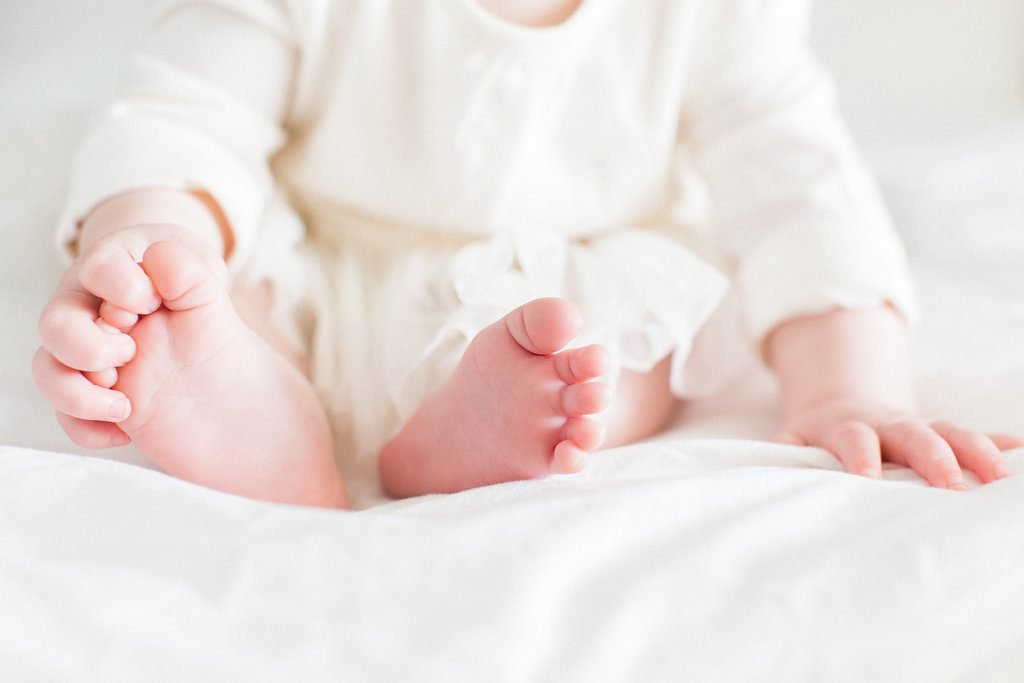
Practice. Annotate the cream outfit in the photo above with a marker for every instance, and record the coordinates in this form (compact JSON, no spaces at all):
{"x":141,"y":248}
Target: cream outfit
{"x":446,"y":166}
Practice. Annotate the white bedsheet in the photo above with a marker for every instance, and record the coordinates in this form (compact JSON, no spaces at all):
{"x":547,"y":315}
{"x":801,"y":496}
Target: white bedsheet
{"x":705,"y":554}
{"x":705,"y":560}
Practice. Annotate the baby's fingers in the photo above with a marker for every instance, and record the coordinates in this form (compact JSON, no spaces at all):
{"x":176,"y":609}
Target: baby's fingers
{"x":74,"y":395}
{"x":92,"y":434}
{"x":857,"y":446}
{"x":1005,"y":442}
{"x":116,"y":317}
{"x":109,"y":271}
{"x":975,"y":451}
{"x":103,"y":378}
{"x":69,"y":331}
{"x":915,"y":445}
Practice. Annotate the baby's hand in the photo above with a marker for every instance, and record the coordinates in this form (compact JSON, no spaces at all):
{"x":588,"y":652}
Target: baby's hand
{"x":862,"y":435}
{"x":84,"y":331}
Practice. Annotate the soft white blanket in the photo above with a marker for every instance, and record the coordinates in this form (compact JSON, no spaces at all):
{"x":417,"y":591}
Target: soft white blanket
{"x":683,"y":560}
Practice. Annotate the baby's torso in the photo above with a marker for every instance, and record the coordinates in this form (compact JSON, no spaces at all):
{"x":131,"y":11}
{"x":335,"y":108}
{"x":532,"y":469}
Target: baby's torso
{"x":443,"y":114}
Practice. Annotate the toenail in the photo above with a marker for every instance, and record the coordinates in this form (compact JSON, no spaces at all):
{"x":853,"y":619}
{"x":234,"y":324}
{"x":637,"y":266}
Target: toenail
{"x":120,"y":408}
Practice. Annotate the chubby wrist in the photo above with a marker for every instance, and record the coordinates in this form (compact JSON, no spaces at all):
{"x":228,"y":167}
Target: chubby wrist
{"x":843,"y":354}
{"x":193,"y":212}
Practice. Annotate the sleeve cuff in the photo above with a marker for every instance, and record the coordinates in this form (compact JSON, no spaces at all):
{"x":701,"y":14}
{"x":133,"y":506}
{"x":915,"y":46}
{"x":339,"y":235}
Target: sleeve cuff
{"x":132,"y":153}
{"x":804,"y":270}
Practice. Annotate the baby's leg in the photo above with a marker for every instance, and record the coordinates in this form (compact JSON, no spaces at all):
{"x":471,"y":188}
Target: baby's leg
{"x":642,"y":405}
{"x":213,"y":403}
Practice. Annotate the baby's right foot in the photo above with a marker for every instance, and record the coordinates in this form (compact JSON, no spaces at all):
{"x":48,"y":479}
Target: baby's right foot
{"x":516,"y":408}
{"x":213,"y":404}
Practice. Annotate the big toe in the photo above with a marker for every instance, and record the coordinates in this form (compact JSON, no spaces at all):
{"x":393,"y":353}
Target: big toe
{"x":543,"y":326}
{"x":181,"y":277}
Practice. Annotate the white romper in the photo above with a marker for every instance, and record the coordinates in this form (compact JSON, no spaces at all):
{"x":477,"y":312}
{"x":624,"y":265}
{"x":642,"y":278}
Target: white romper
{"x":411,"y":170}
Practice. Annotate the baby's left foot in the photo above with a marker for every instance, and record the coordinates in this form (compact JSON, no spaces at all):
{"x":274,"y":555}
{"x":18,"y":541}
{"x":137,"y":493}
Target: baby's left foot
{"x":517,"y":407}
{"x":213,"y":403}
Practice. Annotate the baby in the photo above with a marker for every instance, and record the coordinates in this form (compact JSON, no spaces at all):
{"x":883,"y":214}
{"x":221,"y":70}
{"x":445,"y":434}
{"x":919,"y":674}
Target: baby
{"x":441,"y":237}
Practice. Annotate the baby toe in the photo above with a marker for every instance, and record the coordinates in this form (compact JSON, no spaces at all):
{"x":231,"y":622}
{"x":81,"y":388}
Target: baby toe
{"x":543,"y":326}
{"x":585,"y":432}
{"x":585,"y":399}
{"x":582,"y":365}
{"x":182,"y":278}
{"x":568,"y":458}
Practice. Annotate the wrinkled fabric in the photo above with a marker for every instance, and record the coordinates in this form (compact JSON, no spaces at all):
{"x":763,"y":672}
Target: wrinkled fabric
{"x":658,"y":563}
{"x":438,"y":116}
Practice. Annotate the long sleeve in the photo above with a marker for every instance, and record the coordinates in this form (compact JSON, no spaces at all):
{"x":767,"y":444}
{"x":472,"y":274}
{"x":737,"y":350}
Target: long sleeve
{"x":793,"y":206}
{"x":201,"y":107}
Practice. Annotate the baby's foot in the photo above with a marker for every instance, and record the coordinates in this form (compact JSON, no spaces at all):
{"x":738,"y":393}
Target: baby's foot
{"x":514,"y":408}
{"x":212,"y":403}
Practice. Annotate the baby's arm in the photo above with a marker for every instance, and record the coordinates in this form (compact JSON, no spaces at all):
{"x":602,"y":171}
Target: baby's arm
{"x":846,"y":386}
{"x":100,"y":297}
{"x":819,"y":270}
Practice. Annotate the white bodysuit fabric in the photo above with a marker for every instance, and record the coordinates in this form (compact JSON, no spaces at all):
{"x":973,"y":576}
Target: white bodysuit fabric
{"x":407,"y":171}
